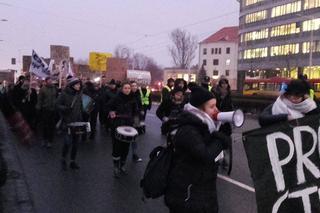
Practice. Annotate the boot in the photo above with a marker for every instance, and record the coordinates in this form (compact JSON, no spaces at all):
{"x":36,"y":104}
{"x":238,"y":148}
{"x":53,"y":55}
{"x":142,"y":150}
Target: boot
{"x":136,"y":158}
{"x":63,"y":164}
{"x":74,"y":166}
{"x":116,"y":168}
{"x":123,"y":169}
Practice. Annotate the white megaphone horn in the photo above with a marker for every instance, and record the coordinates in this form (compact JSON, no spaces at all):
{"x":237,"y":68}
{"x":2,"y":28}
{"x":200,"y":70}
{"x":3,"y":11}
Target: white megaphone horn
{"x":236,"y":117}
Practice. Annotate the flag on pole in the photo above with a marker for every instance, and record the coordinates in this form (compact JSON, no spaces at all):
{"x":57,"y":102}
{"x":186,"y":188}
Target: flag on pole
{"x":38,"y":66}
{"x":70,"y":71}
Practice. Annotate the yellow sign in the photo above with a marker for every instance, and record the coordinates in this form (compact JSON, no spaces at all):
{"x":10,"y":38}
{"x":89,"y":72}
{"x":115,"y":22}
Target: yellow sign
{"x":98,"y":61}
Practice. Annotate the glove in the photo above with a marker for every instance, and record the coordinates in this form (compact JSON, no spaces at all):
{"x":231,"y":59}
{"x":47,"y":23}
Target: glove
{"x":223,"y":139}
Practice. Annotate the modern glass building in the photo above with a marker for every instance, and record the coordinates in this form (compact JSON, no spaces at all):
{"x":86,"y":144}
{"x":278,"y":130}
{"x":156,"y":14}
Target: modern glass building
{"x":279,"y":38}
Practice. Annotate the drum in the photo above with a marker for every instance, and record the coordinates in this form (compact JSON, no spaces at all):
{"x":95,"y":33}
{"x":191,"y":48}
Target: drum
{"x":126,"y":134}
{"x":87,"y":103}
{"x":78,"y":128}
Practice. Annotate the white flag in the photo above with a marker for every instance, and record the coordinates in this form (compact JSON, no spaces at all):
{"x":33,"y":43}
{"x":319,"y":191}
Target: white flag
{"x":38,"y":66}
{"x":70,"y":71}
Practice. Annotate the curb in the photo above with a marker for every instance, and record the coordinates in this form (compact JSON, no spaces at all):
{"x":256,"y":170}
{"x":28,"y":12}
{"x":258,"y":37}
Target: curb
{"x":15,"y":193}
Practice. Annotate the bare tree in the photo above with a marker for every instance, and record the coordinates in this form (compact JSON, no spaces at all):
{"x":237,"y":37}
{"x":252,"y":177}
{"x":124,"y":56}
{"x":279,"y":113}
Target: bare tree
{"x":183,"y":48}
{"x":81,"y":61}
{"x":122,"y":51}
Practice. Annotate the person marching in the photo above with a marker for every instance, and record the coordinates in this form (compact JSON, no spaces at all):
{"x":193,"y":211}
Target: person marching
{"x":165,"y":93}
{"x":145,"y":94}
{"x":136,"y":119}
{"x":106,"y":95}
{"x":91,"y":113}
{"x":121,"y":109}
{"x":47,"y":108}
{"x":294,"y":103}
{"x":198,"y":146}
{"x":69,"y":104}
{"x":170,"y":109}
{"x":224,"y":104}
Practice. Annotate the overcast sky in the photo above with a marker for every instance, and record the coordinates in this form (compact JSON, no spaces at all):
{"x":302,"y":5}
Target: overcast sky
{"x":100,"y":25}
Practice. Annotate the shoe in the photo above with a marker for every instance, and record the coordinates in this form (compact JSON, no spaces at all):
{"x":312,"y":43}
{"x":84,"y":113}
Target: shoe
{"x":136,"y":158}
{"x":74,"y":166}
{"x":116,"y":172}
{"x":123,"y":170}
{"x":63,"y":164}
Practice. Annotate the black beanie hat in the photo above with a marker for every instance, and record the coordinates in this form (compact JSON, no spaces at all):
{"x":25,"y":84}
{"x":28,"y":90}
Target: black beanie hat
{"x":199,"y":96}
{"x":297,"y":87}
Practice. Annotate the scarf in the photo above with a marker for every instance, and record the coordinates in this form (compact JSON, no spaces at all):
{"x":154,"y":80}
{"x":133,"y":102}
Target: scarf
{"x":284,"y":106}
{"x":206,"y":119}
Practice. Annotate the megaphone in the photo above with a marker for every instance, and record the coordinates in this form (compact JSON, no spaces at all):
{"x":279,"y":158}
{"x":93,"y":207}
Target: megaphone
{"x":236,"y":117}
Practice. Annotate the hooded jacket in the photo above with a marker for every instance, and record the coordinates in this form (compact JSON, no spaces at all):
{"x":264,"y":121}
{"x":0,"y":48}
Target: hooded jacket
{"x":69,"y":104}
{"x":192,"y":179}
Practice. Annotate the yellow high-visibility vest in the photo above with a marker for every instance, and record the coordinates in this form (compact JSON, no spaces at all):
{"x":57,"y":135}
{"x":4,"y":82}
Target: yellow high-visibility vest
{"x":145,"y":98}
{"x":311,"y":94}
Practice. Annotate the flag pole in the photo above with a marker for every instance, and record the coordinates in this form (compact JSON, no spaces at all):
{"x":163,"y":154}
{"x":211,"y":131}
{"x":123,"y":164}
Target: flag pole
{"x":60,"y":77}
{"x":29,"y":90}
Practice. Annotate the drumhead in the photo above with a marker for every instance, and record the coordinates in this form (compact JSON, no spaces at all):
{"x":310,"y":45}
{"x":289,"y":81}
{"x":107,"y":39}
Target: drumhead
{"x":77,"y":124}
{"x":127,"y":131}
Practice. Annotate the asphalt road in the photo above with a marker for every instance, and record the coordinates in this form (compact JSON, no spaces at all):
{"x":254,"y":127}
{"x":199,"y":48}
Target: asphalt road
{"x":93,"y":188}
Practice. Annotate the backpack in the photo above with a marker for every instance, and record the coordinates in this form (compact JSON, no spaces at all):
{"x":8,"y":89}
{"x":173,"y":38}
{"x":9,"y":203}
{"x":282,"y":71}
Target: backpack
{"x":155,"y":178}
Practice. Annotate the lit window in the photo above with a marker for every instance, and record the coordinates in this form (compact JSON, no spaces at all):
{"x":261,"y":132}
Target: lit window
{"x":257,"y":16}
{"x":255,"y":53}
{"x":255,"y":35}
{"x":228,"y":61}
{"x":309,"y":4}
{"x":286,"y":29}
{"x":309,"y":25}
{"x":215,"y":61}
{"x":286,"y":49}
{"x":249,"y":2}
{"x":315,"y":47}
{"x":286,"y":9}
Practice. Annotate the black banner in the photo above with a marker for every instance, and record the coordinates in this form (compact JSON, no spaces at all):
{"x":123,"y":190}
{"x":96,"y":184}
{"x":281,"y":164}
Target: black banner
{"x":285,"y":166}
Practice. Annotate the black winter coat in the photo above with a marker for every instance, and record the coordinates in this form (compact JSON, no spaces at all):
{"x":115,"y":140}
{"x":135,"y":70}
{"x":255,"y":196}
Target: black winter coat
{"x":69,"y":104}
{"x":192,"y":179}
{"x":266,"y":118}
{"x":125,"y":107}
{"x":169,"y":109}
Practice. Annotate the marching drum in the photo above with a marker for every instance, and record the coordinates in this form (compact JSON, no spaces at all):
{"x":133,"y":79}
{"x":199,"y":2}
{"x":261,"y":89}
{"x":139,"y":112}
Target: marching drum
{"x":78,"y":128}
{"x":126,"y":134}
{"x":87,"y":103}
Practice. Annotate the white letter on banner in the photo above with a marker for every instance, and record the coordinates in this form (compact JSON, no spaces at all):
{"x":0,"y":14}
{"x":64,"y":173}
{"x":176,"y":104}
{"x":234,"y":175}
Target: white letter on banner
{"x":302,"y":159}
{"x":276,"y":163}
{"x":304,"y":194}
{"x":277,"y":205}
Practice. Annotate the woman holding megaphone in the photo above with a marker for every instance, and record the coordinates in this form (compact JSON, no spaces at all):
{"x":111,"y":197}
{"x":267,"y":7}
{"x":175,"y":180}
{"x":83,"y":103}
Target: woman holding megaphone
{"x":198,"y":147}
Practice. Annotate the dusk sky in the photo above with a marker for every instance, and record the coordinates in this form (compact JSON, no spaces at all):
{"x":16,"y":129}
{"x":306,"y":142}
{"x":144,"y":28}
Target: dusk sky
{"x":100,"y":25}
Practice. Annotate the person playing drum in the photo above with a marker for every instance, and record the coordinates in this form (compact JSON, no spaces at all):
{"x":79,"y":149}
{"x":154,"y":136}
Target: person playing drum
{"x":69,"y":104}
{"x":121,"y":109}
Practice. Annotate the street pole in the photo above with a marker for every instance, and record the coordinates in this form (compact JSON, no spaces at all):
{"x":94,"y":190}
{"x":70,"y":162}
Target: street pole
{"x":311,"y":45}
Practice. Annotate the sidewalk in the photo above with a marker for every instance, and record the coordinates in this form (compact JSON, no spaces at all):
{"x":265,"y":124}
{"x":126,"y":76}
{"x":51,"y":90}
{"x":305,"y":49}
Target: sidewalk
{"x":15,"y":196}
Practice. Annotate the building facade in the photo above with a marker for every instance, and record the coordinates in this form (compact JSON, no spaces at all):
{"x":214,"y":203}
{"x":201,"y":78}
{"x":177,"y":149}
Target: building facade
{"x":189,"y":75}
{"x":218,"y":55}
{"x":279,"y":38}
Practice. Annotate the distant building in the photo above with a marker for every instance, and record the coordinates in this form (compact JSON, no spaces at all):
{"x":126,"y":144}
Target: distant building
{"x":187,"y":75}
{"x":275,"y":38}
{"x":116,"y":69}
{"x":7,"y":76}
{"x":218,"y":54}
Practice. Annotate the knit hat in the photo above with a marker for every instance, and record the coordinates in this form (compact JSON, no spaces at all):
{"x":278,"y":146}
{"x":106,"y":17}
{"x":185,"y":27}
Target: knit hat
{"x":72,"y":81}
{"x":112,"y":81}
{"x":199,"y":96}
{"x":297,"y":87}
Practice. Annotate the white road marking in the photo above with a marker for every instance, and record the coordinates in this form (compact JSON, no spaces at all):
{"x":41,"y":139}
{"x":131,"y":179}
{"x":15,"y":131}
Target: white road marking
{"x":237,"y":183}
